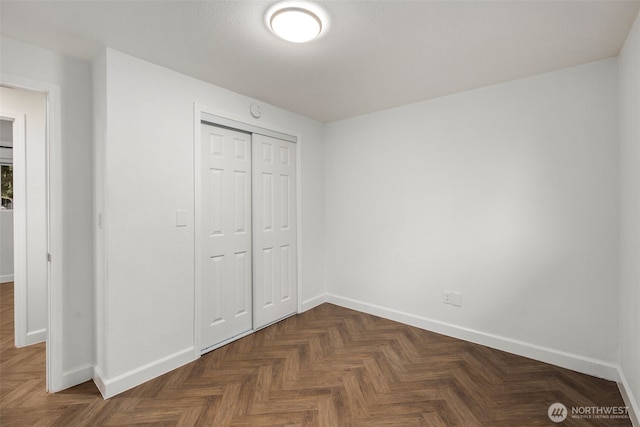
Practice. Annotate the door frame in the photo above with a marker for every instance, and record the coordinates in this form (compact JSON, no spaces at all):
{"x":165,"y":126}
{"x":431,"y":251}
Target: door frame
{"x":54,"y":203}
{"x":228,"y":120}
{"x":19,"y":226}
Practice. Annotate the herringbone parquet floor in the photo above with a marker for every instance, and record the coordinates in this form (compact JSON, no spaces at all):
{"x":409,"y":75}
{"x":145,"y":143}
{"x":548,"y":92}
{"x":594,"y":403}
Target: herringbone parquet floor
{"x":329,"y":366}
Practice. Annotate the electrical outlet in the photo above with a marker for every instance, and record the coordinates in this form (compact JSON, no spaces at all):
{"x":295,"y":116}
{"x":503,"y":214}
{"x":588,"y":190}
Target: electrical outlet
{"x":446,"y":297}
{"x":456,"y":299}
{"x":453,"y":298}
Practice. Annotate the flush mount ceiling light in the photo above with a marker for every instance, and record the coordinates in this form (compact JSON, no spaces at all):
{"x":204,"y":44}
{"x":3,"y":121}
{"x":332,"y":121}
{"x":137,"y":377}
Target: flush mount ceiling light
{"x":297,"y":24}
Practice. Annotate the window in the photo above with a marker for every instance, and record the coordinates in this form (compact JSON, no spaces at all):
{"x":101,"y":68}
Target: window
{"x":6,"y":186}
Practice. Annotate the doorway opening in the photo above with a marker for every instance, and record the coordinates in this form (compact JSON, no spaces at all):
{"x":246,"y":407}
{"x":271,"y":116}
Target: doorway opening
{"x":27,"y":144}
{"x":24,"y":186}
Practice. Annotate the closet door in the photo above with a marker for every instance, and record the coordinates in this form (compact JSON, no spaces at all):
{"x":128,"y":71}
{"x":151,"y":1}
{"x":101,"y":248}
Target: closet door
{"x":274,"y":230}
{"x":226,"y":300}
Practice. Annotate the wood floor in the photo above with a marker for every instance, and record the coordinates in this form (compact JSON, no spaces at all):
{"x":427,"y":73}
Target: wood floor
{"x":329,"y":366}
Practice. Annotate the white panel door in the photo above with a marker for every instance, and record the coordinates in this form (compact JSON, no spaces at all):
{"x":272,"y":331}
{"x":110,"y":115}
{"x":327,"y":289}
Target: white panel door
{"x":274,"y":230}
{"x":226,"y":297}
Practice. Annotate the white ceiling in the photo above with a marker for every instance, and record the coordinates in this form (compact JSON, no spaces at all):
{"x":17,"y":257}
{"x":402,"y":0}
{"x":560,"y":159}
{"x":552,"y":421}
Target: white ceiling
{"x":373,"y":55}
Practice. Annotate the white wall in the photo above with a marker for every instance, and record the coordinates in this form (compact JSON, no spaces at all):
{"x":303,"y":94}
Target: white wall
{"x":629,"y":65}
{"x":507,"y":194}
{"x":145,"y":127}
{"x":74,"y":78}
{"x":32,"y":106}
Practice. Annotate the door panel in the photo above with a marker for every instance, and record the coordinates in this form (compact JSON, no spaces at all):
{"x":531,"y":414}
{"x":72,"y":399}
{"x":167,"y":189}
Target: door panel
{"x":226,"y":300}
{"x":274,"y":229}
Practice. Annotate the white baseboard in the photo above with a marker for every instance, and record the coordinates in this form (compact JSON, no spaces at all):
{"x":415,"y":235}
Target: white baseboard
{"x":313,"y":302}
{"x":35,"y":337}
{"x":575,"y":362}
{"x":6,"y":278}
{"x":629,"y":399}
{"x":98,"y":376}
{"x":76,"y":376}
{"x":109,"y":387}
